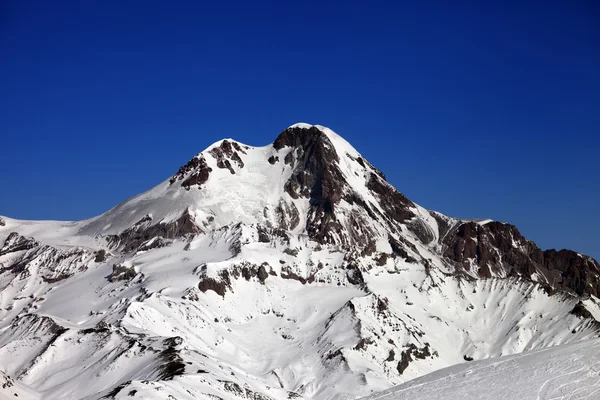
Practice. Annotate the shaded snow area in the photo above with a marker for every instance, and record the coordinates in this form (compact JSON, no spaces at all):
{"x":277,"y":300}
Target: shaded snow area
{"x":561,"y":372}
{"x":289,"y":271}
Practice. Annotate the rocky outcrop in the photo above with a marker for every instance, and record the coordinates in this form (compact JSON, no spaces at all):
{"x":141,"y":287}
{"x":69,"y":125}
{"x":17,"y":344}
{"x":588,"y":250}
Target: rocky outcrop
{"x":49,"y":263}
{"x":577,"y":272}
{"x":194,"y":173}
{"x":498,"y":249}
{"x":394,"y":203}
{"x":226,"y":154}
{"x":412,"y":353}
{"x":15,"y":242}
{"x":316,"y":176}
{"x":122,"y":273}
{"x":144,"y":234}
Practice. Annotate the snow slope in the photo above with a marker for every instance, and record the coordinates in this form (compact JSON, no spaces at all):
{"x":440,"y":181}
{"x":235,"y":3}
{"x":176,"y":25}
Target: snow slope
{"x":561,"y":372}
{"x":291,"y":270}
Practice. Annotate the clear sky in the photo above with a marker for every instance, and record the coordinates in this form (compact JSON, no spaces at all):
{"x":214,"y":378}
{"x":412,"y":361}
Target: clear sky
{"x":474,"y":111}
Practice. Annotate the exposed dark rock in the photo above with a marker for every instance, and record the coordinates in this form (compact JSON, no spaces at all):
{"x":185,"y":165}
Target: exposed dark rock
{"x":369,"y":249}
{"x":289,"y":158}
{"x":121,"y":273}
{"x":413,"y":351}
{"x":291,"y":252}
{"x":262,"y":274}
{"x":51,"y":264}
{"x":382,"y":304}
{"x":577,"y":272}
{"x":354,"y":199}
{"x":239,"y":391}
{"x":266,"y":234}
{"x":421,"y":353}
{"x":225,"y":164}
{"x":172,"y":366}
{"x":115,"y":391}
{"x":580,"y":311}
{"x":55,"y":279}
{"x":316,"y":176}
{"x":142,"y":232}
{"x":248,"y":272}
{"x":467,"y":358}
{"x":382,"y":259}
{"x":236,"y":158}
{"x":443,"y":223}
{"x":40,"y":325}
{"x":233,"y":387}
{"x":394,"y":203}
{"x":288,"y":215}
{"x":2,"y":222}
{"x":405,"y":360}
{"x":154,"y":243}
{"x":363,"y":343}
{"x":263,"y":236}
{"x":499,"y":249}
{"x":225,"y":153}
{"x":195,"y":172}
{"x":421,"y":230}
{"x":101,"y":327}
{"x":212,"y":284}
{"x":354,"y":275}
{"x":218,"y":286}
{"x":15,"y":242}
{"x":337,"y":353}
{"x":391,"y":356}
{"x":287,"y":273}
{"x":173,"y":341}
{"x":272,"y":160}
{"x":250,"y":394}
{"x":100,"y":256}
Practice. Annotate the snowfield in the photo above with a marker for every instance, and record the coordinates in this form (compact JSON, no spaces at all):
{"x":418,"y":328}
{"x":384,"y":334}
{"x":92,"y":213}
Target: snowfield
{"x":289,"y":271}
{"x":561,"y":372}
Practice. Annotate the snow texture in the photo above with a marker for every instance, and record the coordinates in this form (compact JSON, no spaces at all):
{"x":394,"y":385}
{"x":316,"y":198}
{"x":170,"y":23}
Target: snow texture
{"x":216,"y":290}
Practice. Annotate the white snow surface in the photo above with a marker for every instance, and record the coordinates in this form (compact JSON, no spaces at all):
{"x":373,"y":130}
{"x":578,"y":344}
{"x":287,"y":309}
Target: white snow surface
{"x":561,"y":372}
{"x":68,"y":330}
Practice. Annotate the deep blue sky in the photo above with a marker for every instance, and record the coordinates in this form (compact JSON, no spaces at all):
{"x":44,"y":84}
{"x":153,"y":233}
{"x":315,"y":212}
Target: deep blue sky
{"x":473,"y":111}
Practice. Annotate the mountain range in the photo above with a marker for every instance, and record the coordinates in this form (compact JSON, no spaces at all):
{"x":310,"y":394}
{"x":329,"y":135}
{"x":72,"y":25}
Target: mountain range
{"x":288,"y":271}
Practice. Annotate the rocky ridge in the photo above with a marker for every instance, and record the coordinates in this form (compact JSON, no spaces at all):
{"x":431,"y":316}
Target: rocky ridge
{"x":276,"y":272}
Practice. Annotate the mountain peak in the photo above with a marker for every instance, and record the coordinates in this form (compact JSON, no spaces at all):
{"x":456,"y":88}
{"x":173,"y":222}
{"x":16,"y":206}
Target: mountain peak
{"x":275,"y":272}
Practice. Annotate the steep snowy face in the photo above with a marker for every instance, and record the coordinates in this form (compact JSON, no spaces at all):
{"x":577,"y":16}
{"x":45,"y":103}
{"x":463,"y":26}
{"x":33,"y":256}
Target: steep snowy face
{"x":310,"y":180}
{"x":561,"y":372}
{"x":292,"y":270}
{"x":344,"y":192}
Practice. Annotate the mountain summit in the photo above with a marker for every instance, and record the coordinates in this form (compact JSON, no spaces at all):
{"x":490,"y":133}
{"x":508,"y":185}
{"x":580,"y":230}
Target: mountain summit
{"x":293,"y":270}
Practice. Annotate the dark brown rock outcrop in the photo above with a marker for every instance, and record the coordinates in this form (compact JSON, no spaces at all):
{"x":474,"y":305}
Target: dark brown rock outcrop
{"x":218,"y":285}
{"x":143,"y":234}
{"x":498,"y":249}
{"x":121,"y":273}
{"x":194,"y":173}
{"x":317,"y":177}
{"x":226,"y":153}
{"x":15,"y":242}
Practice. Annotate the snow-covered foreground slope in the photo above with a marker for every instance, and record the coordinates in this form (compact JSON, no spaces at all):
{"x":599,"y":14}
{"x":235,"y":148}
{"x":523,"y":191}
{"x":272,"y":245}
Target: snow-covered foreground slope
{"x":562,"y":372}
{"x":292,"y":270}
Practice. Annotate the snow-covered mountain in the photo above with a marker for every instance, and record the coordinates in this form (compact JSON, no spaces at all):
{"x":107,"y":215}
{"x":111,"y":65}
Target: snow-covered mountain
{"x":292,"y":270}
{"x":570,"y":371}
